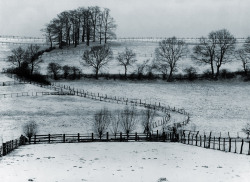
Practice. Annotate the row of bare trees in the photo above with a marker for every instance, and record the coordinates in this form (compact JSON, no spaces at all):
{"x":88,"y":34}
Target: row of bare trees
{"x":80,"y":25}
{"x":215,"y":50}
{"x":125,"y":120}
{"x":29,"y":57}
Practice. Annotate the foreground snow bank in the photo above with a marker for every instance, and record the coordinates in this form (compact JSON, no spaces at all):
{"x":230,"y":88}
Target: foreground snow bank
{"x":122,"y":162}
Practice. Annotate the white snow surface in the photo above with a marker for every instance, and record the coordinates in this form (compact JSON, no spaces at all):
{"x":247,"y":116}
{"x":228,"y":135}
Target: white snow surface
{"x":123,"y":162}
{"x":217,"y":106}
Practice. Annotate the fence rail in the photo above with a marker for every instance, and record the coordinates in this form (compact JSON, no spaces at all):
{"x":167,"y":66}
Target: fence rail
{"x":227,"y":144}
{"x":11,"y":145}
{"x":91,"y":137}
{"x":9,"y":83}
{"x":67,"y":90}
{"x":26,"y":94}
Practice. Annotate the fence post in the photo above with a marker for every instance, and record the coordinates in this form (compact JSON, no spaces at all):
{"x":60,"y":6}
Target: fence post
{"x":241,"y":148}
{"x":235,"y":146}
{"x":4,"y":149}
{"x":204,"y":141}
{"x":120,"y":136}
{"x":49,"y":138}
{"x":188,"y":137}
{"x":192,"y":139}
{"x":229,"y":144}
{"x":219,"y":143}
{"x":35,"y":139}
{"x":209,"y":140}
{"x":92,"y":137}
{"x":78,"y":137}
{"x":107,"y":135}
{"x":214,"y":143}
{"x":157,"y":135}
{"x":184,"y":137}
{"x":224,"y":144}
{"x":164,"y":136}
{"x":63,"y":138}
{"x":135,"y":136}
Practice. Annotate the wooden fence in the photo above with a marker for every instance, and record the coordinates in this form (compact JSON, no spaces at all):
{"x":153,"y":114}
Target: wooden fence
{"x":67,"y":90}
{"x":91,"y":137}
{"x":11,"y":145}
{"x":227,"y":144}
{"x":9,"y":83}
{"x":26,"y":94}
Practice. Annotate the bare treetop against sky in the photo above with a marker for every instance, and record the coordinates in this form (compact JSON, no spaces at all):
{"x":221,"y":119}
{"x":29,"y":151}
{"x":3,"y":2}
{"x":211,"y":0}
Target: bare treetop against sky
{"x":182,"y":18}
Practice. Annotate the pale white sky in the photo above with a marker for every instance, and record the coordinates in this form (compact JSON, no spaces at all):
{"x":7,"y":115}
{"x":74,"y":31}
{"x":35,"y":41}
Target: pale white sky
{"x":182,"y":18}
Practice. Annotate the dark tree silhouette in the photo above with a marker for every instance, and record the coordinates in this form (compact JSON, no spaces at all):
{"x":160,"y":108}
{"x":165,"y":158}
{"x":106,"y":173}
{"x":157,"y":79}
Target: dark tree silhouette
{"x":97,"y":57}
{"x":169,"y":52}
{"x":126,"y":59}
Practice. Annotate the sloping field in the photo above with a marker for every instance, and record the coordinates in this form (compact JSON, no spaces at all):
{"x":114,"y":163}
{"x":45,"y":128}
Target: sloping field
{"x":54,"y":114}
{"x":123,"y":162}
{"x":217,"y":106}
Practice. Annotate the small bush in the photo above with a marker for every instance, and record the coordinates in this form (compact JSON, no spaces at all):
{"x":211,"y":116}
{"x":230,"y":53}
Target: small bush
{"x":246,"y":129}
{"x":191,"y":73}
{"x":225,"y":74}
{"x":30,"y":129}
{"x":207,"y":74}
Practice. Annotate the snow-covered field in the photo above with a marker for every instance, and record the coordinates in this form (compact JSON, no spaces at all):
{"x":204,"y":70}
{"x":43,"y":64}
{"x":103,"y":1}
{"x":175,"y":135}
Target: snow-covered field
{"x":73,"y":56}
{"x":217,"y":106}
{"x":144,"y":51}
{"x":123,"y":162}
{"x":54,"y":114}
{"x":221,"y":106}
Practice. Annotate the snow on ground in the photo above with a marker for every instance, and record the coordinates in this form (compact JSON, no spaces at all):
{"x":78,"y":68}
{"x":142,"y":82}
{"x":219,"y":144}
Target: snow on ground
{"x":217,"y":106}
{"x":4,"y":78}
{"x":133,"y":162}
{"x":54,"y":114}
{"x":72,"y":56}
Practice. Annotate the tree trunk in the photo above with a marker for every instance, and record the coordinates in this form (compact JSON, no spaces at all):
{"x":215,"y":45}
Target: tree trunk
{"x":125,"y":71}
{"x":170,"y":75}
{"x":96,"y":73}
{"x":218,"y":71}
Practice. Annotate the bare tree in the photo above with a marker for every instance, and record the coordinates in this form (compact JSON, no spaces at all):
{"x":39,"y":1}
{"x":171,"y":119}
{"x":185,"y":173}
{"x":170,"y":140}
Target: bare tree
{"x":97,"y":57}
{"x":54,"y":68}
{"x":128,"y":119}
{"x":115,"y":121}
{"x":169,"y":52}
{"x":33,"y":57}
{"x":215,"y":50}
{"x":95,"y":12}
{"x":101,"y":121}
{"x":30,"y":129}
{"x":166,"y":121}
{"x":147,"y":119}
{"x":126,"y":59}
{"x":18,"y":57}
{"x":204,"y":52}
{"x":225,"y":45}
{"x":246,"y":129}
{"x":142,"y":67}
{"x":244,"y":57}
{"x":48,"y":33}
{"x":108,"y":25}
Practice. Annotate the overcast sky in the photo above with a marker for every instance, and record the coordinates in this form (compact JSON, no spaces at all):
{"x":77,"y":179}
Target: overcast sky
{"x":157,"y":18}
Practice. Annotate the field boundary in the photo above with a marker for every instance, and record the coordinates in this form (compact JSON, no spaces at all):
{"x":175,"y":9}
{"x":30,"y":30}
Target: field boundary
{"x":67,"y":90}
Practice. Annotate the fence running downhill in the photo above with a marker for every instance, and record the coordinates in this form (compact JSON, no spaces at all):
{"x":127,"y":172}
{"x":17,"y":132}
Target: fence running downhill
{"x":11,"y":145}
{"x":226,"y":144}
